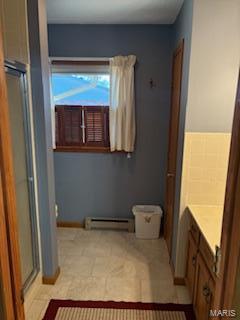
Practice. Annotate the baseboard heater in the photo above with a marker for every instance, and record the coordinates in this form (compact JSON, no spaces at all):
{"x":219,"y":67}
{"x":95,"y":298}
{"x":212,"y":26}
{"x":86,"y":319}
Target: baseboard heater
{"x":109,"y":223}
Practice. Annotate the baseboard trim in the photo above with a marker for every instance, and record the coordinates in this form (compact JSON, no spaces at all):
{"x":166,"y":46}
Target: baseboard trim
{"x":179,"y":281}
{"x":51,"y":280}
{"x":69,"y":224}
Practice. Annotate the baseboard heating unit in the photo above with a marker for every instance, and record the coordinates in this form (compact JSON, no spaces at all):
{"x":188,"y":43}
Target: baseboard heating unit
{"x":109,"y":223}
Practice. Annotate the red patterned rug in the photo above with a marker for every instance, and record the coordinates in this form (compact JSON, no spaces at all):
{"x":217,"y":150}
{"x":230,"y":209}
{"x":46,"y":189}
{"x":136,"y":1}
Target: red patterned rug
{"x":109,"y":310}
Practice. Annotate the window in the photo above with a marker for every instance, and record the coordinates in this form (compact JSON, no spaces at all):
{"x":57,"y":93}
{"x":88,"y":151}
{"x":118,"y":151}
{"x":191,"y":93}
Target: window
{"x":81,"y":111}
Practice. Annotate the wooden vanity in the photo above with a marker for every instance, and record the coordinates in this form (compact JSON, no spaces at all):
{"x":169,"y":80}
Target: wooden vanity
{"x":204,"y":235}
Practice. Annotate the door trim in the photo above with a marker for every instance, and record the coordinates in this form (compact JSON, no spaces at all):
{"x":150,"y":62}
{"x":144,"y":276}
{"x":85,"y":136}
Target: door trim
{"x":9,"y":196}
{"x":5,"y":276}
{"x":169,"y":220}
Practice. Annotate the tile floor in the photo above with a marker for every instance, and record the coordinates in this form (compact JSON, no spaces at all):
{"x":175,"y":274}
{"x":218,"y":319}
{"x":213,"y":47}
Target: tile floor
{"x":109,"y":265}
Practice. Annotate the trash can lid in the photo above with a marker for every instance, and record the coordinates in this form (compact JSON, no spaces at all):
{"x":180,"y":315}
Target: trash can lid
{"x":147,"y":209}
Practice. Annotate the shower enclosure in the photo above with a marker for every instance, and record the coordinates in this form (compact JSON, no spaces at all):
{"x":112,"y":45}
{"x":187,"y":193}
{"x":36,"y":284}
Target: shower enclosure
{"x":20,"y":124}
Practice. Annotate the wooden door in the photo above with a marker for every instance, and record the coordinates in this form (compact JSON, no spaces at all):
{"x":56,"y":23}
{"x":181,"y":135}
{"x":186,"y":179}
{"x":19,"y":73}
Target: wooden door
{"x":191,"y":264}
{"x":9,"y":245}
{"x":203,"y":292}
{"x":173,"y":143}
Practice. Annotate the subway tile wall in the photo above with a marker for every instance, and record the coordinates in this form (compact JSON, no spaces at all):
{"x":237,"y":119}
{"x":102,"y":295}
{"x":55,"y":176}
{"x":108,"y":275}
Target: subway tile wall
{"x":205,"y":168}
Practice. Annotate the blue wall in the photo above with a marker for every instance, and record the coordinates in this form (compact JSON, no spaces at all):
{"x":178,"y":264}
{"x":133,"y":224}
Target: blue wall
{"x":110,"y":184}
{"x":43,"y":136}
{"x":182,"y":29}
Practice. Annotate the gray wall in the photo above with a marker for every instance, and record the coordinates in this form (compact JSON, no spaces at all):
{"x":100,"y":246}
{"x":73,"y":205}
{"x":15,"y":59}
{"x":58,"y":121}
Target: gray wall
{"x":182,"y":29}
{"x":110,"y":184}
{"x":43,"y":134}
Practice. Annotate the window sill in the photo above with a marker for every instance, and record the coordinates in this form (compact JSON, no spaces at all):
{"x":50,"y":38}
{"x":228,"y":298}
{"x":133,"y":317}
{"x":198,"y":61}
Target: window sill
{"x":86,"y":150}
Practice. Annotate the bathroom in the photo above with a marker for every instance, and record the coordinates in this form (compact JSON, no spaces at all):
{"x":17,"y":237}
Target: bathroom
{"x":183,"y":84}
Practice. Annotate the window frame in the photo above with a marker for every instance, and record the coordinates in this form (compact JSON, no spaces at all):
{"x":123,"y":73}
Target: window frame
{"x":72,"y":66}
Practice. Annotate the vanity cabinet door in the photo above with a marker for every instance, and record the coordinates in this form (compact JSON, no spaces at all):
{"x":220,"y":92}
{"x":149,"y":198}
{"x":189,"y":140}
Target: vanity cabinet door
{"x":204,"y":289}
{"x":191,"y":264}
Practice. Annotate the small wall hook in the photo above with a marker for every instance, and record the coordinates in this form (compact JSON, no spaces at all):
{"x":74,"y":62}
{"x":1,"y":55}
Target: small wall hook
{"x":152,"y":83}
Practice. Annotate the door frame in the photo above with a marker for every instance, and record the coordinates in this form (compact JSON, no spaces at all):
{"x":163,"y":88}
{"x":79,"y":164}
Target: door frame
{"x":9,"y":219}
{"x":5,"y":276}
{"x":169,"y":220}
{"x":230,"y":239}
{"x":19,"y":70}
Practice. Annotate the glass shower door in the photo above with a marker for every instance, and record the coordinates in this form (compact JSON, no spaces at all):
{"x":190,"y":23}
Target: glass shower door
{"x":23,"y":172}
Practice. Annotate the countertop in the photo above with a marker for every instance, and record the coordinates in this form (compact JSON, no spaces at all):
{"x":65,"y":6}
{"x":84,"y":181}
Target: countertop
{"x":209,"y":221}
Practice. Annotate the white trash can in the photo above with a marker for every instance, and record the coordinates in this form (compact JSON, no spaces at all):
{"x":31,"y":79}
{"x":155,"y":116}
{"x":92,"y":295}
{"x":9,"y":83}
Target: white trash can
{"x":147,"y":221}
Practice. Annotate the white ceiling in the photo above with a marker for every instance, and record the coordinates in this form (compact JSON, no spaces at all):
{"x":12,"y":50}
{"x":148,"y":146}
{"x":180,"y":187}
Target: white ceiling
{"x":113,"y":11}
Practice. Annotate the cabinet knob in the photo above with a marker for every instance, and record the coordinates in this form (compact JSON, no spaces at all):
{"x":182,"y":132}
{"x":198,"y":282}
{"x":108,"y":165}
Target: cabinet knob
{"x":206,"y":293}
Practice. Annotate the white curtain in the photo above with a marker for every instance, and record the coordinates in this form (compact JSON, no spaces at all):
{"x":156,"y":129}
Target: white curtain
{"x":122,"y":103}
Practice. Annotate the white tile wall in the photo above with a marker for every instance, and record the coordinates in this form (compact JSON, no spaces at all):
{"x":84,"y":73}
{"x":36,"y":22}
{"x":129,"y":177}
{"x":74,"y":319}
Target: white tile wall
{"x":205,"y":168}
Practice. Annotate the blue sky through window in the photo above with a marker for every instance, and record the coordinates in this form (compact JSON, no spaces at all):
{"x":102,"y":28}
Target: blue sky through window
{"x":81,"y":89}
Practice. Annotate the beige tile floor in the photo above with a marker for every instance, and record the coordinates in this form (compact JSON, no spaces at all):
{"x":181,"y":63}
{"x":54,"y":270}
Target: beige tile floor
{"x":109,"y":265}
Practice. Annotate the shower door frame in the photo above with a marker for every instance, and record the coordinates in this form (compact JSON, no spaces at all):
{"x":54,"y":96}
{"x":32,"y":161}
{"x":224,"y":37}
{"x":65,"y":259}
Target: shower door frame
{"x":19,"y":70}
